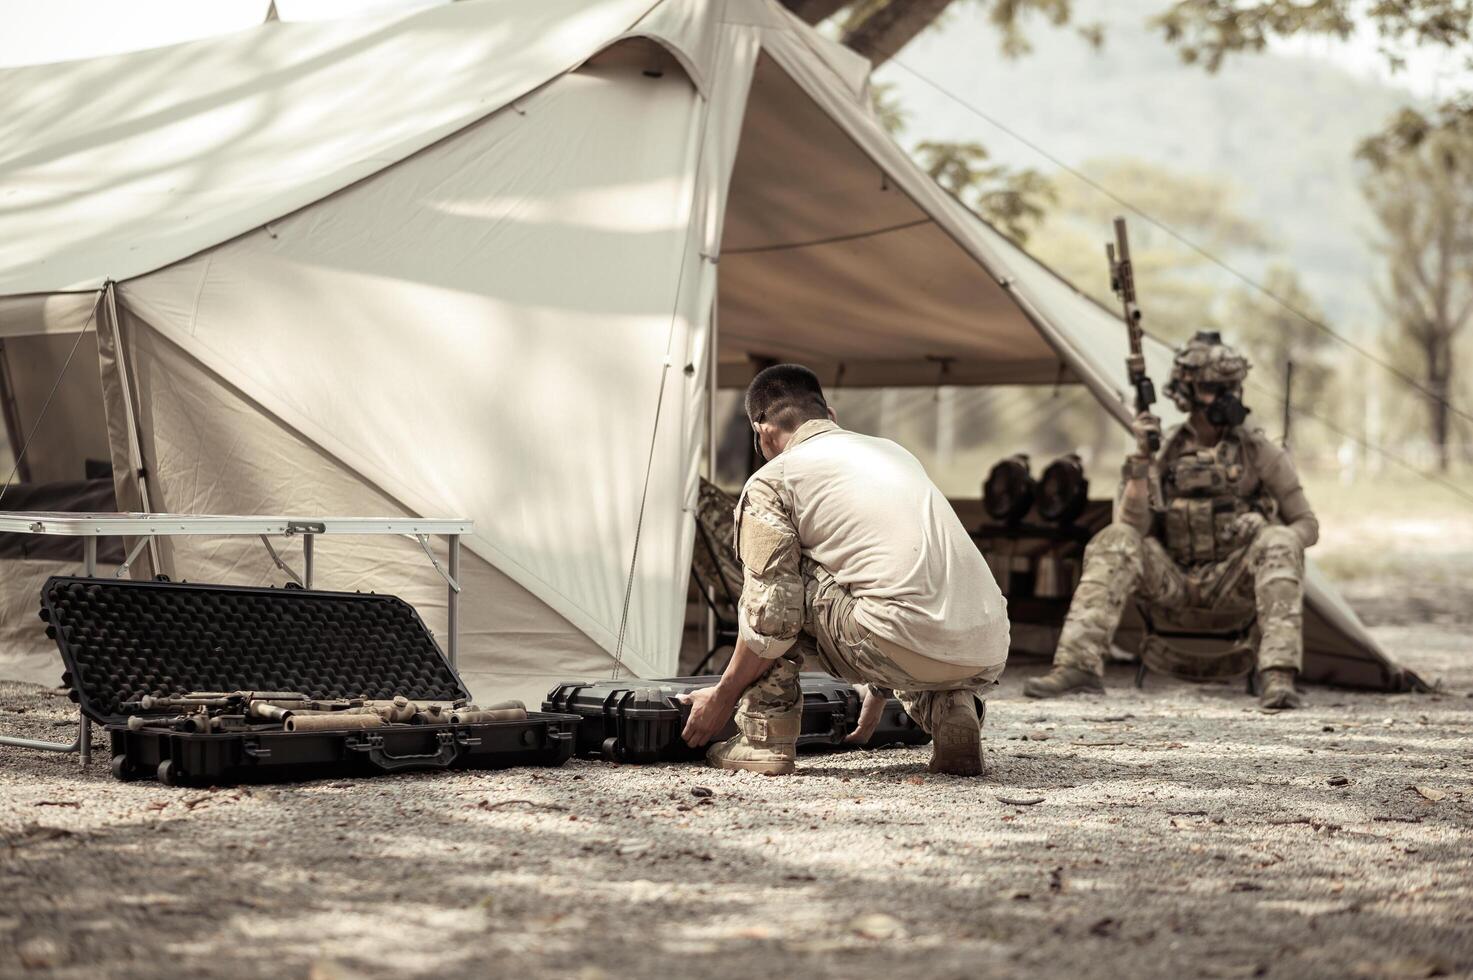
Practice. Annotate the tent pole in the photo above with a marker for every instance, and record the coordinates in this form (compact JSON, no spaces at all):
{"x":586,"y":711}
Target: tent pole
{"x":135,"y":440}
{"x":1288,"y":400}
{"x":11,"y":410}
{"x":713,"y":361}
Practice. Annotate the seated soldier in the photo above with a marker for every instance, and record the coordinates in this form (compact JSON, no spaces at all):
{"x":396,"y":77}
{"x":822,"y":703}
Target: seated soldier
{"x":852,"y":557}
{"x":1226,"y":531}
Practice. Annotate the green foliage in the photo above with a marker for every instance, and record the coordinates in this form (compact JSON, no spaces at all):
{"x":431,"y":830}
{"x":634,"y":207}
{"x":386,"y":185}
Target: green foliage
{"x":888,"y":108}
{"x":1409,"y":130}
{"x":1207,"y":31}
{"x":1008,"y":16}
{"x":1012,"y":200}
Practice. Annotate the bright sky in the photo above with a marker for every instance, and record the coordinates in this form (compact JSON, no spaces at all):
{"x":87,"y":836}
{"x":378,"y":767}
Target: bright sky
{"x":1430,"y":73}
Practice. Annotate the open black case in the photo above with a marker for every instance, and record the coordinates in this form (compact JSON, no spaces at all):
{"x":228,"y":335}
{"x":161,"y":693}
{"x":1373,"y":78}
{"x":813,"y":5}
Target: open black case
{"x":121,"y":640}
{"x":640,"y":721}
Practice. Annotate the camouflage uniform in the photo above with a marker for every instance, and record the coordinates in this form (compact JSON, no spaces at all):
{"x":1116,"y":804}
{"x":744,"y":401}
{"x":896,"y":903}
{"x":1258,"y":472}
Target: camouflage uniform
{"x":1182,"y":555}
{"x":785,"y":596}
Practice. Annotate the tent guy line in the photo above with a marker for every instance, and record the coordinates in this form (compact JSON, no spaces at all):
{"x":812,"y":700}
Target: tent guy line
{"x":1381,"y":451}
{"x":832,"y":240}
{"x":1189,"y":243}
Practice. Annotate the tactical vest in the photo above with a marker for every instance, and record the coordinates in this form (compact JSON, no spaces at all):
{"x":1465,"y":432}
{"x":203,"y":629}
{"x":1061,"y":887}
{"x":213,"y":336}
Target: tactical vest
{"x":1200,"y":490}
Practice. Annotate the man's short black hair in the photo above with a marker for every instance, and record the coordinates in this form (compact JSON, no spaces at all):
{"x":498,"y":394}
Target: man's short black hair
{"x":786,"y":395}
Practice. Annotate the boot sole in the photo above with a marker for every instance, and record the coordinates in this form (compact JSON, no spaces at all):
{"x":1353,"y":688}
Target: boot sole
{"x":958,"y":751}
{"x":765,"y":768}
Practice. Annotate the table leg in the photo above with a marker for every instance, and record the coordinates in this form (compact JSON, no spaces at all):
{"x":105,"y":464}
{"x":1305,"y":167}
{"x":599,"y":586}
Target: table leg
{"x":453,"y":603}
{"x":84,"y":724}
{"x":307,"y":560}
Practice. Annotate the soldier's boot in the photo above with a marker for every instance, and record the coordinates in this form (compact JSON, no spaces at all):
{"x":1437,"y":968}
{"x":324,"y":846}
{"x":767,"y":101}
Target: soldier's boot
{"x":767,"y":744}
{"x":1062,"y":680}
{"x":1276,"y":689}
{"x":957,"y":738}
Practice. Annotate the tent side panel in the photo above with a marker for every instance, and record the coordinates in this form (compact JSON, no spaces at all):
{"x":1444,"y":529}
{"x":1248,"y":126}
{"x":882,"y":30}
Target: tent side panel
{"x":211,"y":450}
{"x":26,"y":654}
{"x":73,"y":428}
{"x":484,"y":330}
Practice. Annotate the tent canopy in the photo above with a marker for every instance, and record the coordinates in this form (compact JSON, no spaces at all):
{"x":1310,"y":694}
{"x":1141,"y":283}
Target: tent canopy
{"x":471,"y":260}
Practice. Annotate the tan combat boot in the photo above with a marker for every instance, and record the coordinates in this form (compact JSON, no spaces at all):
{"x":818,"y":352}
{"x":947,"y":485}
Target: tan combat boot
{"x":958,"y":739}
{"x":1062,"y":680}
{"x":767,"y":744}
{"x":1276,"y":689}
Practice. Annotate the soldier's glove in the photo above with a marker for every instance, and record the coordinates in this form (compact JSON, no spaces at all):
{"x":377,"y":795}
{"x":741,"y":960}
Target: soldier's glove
{"x":1246,"y":526}
{"x":1142,"y":426}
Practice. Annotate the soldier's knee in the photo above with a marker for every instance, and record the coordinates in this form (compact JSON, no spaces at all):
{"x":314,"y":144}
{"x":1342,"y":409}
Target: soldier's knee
{"x":1276,"y":546}
{"x":1116,"y":540}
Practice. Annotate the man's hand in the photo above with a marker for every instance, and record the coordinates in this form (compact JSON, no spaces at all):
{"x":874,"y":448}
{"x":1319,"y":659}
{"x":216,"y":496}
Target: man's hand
{"x":710,"y":710}
{"x":1142,"y":426}
{"x":1246,"y":526}
{"x":869,"y":718}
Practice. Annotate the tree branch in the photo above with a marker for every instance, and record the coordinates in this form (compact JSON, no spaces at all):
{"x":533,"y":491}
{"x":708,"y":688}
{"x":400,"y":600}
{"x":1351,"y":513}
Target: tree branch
{"x":815,"y":11}
{"x":883,"y":33}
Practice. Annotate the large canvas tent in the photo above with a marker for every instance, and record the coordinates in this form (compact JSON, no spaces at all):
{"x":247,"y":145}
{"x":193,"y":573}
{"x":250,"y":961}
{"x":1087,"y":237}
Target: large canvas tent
{"x":489,"y":259}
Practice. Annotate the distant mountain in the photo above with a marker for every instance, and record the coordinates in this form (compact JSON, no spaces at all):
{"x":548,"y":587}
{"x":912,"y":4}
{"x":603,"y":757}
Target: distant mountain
{"x":1283,"y":128}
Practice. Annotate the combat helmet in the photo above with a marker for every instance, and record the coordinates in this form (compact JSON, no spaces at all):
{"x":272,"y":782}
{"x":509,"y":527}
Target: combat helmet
{"x":1205,"y":359}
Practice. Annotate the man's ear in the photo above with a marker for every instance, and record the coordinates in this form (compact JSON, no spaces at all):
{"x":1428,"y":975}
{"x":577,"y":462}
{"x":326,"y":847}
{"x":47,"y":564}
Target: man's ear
{"x":832,"y":417}
{"x":766,"y":437}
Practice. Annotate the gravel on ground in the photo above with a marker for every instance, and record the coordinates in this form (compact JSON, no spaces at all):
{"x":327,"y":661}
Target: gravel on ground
{"x":1178,"y":831}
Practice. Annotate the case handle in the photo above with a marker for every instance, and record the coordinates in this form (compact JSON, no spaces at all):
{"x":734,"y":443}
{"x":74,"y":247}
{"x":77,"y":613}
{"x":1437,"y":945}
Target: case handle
{"x":390,"y":762}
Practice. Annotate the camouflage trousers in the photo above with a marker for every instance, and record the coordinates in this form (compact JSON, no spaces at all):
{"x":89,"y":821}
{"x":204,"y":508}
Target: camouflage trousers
{"x":833,"y":640}
{"x":1265,"y":576}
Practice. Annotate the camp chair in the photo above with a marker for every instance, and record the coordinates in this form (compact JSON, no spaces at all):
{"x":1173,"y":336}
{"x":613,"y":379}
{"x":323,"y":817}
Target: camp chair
{"x":1198,"y":644}
{"x":715,"y":566}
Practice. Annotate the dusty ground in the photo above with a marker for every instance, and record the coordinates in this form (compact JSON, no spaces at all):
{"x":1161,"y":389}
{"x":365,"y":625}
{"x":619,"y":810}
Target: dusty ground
{"x":1180,"y":832}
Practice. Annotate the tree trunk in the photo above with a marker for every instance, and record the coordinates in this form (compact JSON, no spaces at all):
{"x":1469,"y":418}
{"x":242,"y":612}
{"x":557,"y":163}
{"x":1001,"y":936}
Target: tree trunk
{"x":883,"y":33}
{"x":815,"y":11}
{"x":1439,"y":383}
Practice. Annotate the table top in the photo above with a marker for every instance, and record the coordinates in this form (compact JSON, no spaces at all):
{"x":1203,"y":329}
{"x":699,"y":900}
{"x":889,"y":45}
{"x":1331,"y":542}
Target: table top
{"x":165,"y":525}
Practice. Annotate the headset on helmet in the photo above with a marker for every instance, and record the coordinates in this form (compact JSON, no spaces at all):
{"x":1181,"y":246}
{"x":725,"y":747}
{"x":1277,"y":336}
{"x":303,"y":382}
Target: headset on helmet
{"x":1206,"y":360}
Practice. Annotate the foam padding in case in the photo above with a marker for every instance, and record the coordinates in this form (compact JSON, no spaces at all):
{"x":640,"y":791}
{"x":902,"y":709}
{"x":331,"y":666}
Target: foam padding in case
{"x":122,"y":639}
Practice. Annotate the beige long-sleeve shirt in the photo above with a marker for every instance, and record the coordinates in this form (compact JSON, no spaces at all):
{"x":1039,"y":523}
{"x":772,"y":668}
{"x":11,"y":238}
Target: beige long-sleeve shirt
{"x":864,"y":509}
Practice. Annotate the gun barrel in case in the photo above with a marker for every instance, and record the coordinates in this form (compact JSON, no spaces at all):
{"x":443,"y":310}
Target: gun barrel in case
{"x":640,"y":721}
{"x":124,"y":643}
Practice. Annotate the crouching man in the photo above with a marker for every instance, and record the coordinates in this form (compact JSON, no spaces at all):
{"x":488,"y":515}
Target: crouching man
{"x":853,"y":560}
{"x":1227,"y":534}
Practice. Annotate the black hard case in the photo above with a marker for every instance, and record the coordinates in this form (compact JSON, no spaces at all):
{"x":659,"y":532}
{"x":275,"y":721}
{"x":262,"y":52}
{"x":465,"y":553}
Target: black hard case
{"x":121,"y":640}
{"x":640,"y":721}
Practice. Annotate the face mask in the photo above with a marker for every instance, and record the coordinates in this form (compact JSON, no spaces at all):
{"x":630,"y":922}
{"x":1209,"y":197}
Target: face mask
{"x":1227,"y":411}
